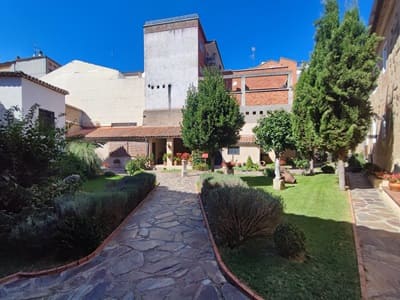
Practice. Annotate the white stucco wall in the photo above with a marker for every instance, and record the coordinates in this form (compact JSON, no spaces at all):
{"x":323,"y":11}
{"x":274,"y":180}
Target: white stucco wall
{"x":170,"y":57}
{"x":47,"y":99}
{"x":104,"y":94}
{"x":24,"y":93}
{"x":34,"y":67}
{"x":10,"y":92}
{"x":244,"y":152}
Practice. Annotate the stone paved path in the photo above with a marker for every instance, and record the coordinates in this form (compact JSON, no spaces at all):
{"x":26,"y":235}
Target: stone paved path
{"x":378,"y":229}
{"x":162,"y":253}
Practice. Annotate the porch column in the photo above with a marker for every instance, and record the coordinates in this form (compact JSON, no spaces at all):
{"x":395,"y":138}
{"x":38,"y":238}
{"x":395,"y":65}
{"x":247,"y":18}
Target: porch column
{"x":150,"y":148}
{"x":170,"y":151}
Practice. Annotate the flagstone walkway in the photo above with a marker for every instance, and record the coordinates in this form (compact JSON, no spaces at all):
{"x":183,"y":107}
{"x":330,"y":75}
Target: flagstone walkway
{"x":163,"y":252}
{"x":378,"y":230}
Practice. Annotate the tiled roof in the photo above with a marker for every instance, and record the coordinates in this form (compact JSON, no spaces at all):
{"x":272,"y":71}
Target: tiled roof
{"x":128,"y":133}
{"x":33,"y":79}
{"x":247,"y":139}
{"x":139,"y":132}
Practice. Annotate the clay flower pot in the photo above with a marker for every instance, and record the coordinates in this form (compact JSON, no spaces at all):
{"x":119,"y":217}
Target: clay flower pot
{"x":394,"y":186}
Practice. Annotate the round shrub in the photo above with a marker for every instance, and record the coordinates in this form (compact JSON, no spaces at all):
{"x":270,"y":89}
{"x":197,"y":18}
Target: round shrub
{"x":238,"y":214}
{"x":327,"y":169}
{"x":109,"y":174}
{"x":290,"y":241}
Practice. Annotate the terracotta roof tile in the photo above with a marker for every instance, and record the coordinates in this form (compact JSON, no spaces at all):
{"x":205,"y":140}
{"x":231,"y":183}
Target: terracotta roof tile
{"x":247,"y":139}
{"x":128,"y":133}
{"x":33,"y":79}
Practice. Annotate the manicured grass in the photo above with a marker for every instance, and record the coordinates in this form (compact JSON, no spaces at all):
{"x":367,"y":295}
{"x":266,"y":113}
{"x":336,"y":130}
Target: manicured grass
{"x":100,"y":183}
{"x":317,"y":207}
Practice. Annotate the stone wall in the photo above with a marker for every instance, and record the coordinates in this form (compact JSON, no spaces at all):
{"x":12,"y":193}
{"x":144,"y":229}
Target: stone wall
{"x":385,"y":101}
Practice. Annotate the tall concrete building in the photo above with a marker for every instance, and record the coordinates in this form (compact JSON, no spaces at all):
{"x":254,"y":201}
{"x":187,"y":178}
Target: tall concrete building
{"x":175,"y":52}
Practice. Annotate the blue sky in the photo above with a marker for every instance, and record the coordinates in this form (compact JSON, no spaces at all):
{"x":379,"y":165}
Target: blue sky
{"x":110,"y":33}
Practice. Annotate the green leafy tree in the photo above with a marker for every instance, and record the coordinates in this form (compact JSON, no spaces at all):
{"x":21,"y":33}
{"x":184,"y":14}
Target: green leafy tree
{"x":274,"y":132}
{"x":211,"y":118}
{"x":309,"y":89}
{"x":348,"y":78}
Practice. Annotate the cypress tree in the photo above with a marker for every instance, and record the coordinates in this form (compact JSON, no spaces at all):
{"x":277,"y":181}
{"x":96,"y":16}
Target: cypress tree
{"x":309,"y":89}
{"x":347,"y":79}
{"x":211,"y":118}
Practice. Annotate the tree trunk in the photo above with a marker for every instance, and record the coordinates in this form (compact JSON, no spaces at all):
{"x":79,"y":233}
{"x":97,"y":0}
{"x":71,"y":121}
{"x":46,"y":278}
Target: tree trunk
{"x":341,"y":174}
{"x":277,"y":168}
{"x":211,"y":156}
{"x":311,"y":166}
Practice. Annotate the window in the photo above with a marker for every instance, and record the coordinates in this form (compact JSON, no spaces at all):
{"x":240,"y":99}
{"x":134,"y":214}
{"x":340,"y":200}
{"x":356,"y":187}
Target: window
{"x":46,"y":119}
{"x":233,"y":150}
{"x":261,"y":112}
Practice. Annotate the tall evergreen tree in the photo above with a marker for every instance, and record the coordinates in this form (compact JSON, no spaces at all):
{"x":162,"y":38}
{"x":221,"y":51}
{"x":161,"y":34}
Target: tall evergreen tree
{"x":309,"y":90}
{"x":347,"y":79}
{"x":211,"y":118}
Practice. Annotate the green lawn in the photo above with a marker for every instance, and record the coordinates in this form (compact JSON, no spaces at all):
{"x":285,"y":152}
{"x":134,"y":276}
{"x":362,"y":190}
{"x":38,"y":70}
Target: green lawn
{"x":100,"y":183}
{"x":317,"y":207}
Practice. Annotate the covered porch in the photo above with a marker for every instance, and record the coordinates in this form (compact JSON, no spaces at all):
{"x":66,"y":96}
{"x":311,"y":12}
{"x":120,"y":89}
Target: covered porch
{"x":161,"y":144}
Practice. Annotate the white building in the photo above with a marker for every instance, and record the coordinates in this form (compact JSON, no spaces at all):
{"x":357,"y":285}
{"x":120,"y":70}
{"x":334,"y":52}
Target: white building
{"x":36,"y":66}
{"x":106,"y":96}
{"x":24,"y":91}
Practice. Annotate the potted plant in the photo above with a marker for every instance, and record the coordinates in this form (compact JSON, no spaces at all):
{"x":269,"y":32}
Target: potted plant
{"x":394,"y":181}
{"x":164,"y":158}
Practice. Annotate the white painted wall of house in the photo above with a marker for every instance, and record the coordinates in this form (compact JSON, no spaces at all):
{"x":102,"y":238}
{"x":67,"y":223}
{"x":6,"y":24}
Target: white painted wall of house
{"x":104,"y":94}
{"x":47,"y":99}
{"x":24,"y":93}
{"x":170,"y":57}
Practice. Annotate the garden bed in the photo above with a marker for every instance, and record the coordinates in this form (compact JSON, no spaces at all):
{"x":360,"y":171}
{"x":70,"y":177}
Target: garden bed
{"x":316,"y":206}
{"x":85,"y":220}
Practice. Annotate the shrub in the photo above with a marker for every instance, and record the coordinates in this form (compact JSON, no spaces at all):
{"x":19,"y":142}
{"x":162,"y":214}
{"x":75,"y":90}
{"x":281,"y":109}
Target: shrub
{"x":85,"y":153}
{"x":301,"y":163}
{"x":34,"y":233}
{"x":327,"y":169}
{"x":95,"y":215}
{"x":269,"y":172}
{"x":137,"y":164}
{"x":76,"y":236}
{"x":355,"y":163}
{"x":13,"y":196}
{"x":70,"y":164}
{"x":200,"y":166}
{"x":28,"y":151}
{"x":250,"y":165}
{"x":290,"y":241}
{"x":238,"y":214}
{"x":211,"y":181}
{"x":109,"y":174}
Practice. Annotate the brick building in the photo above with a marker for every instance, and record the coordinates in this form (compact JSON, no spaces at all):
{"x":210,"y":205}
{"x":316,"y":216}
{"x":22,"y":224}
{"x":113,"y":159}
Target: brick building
{"x":267,"y":87}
